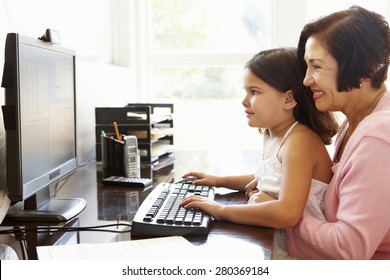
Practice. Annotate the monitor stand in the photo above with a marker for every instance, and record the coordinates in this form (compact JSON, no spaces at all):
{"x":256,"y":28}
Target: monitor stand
{"x":41,"y":208}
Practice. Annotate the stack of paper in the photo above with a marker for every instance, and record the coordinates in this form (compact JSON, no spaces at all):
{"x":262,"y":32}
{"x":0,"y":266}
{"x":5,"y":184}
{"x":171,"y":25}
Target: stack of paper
{"x":4,"y":204}
{"x":165,"y":248}
{"x":161,"y":248}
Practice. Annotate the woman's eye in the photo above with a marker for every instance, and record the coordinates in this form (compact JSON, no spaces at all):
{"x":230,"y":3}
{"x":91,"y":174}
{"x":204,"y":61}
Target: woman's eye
{"x":315,"y":67}
{"x":254,"y":92}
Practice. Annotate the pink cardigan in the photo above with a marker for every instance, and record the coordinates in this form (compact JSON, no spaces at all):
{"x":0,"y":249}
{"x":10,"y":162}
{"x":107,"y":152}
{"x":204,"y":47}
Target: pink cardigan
{"x":357,"y":201}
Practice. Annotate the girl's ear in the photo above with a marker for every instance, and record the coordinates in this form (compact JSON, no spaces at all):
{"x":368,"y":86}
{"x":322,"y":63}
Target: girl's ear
{"x":290,"y":102}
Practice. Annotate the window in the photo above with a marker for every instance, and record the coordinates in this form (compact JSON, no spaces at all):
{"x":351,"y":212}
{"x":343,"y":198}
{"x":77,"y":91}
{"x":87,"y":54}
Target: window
{"x":192,"y":53}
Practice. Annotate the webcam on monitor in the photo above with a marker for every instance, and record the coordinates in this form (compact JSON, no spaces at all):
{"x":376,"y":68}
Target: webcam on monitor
{"x":51,"y":36}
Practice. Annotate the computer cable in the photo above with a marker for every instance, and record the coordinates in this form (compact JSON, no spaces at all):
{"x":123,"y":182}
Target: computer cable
{"x":53,"y":229}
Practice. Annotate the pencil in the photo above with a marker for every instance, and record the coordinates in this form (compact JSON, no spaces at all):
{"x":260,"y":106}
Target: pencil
{"x":117,"y":132}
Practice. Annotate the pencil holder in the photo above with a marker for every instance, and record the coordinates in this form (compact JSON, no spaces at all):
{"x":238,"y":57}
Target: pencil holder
{"x":120,"y":158}
{"x":112,"y":157}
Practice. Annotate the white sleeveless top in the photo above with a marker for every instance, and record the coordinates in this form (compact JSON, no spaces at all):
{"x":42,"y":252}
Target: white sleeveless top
{"x":269,"y":172}
{"x":269,"y":177}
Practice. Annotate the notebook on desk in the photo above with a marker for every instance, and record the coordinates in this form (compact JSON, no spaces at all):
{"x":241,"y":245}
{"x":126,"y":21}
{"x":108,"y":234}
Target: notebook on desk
{"x":5,"y":202}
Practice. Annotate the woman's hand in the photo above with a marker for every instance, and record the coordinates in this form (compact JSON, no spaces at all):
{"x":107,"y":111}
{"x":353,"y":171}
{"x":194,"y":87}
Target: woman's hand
{"x":209,"y":206}
{"x":259,"y":197}
{"x":251,"y":188}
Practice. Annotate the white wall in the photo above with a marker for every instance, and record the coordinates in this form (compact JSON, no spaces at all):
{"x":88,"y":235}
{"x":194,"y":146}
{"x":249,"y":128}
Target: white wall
{"x":99,"y":84}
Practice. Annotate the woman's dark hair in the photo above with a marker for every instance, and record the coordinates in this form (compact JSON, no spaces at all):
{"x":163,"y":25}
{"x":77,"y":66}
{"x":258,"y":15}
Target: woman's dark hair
{"x":281,"y":69}
{"x":358,"y":39}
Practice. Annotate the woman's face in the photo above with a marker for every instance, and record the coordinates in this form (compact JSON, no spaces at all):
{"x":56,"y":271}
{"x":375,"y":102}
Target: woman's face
{"x":321,"y":77}
{"x":263,"y":103}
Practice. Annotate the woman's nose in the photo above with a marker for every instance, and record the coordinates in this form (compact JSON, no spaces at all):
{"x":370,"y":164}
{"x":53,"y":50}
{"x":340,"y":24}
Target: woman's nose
{"x":308,"y":80}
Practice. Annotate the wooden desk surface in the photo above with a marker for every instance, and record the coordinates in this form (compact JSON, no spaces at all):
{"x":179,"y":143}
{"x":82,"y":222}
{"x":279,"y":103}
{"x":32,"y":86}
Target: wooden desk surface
{"x":106,"y":203}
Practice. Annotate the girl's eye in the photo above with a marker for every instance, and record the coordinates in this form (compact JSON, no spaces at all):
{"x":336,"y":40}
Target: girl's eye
{"x":254,"y":92}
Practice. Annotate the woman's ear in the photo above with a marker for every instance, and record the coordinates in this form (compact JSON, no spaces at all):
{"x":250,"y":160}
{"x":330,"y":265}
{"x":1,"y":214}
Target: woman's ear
{"x":290,"y":102}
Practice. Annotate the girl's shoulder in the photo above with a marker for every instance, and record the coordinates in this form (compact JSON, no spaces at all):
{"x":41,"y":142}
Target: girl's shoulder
{"x":303,"y":138}
{"x":303,"y":132}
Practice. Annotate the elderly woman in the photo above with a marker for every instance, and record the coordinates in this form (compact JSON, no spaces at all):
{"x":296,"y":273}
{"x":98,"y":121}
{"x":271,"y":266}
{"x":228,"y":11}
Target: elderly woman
{"x":346,"y":55}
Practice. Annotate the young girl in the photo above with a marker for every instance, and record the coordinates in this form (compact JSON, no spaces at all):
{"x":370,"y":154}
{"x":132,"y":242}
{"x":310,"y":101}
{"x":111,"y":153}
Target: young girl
{"x":295,"y":160}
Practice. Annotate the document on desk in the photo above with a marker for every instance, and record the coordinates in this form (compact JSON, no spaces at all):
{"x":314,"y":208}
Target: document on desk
{"x":162,"y":248}
{"x":4,"y":204}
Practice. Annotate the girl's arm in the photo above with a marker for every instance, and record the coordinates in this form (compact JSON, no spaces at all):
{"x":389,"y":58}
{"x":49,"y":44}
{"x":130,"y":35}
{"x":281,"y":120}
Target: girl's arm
{"x":299,"y":156}
{"x":232,"y":182}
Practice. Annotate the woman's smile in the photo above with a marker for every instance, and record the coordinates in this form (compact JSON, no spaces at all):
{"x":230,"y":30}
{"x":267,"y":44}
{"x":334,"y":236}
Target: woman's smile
{"x":317,"y":93}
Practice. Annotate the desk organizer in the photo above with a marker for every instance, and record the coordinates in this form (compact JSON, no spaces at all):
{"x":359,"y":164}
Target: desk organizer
{"x":151,"y":123}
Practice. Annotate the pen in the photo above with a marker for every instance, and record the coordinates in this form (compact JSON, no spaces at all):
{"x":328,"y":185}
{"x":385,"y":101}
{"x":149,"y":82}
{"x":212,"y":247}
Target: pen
{"x":118,"y":137}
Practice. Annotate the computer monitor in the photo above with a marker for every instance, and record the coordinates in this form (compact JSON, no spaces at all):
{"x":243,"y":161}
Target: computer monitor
{"x":40,"y":127}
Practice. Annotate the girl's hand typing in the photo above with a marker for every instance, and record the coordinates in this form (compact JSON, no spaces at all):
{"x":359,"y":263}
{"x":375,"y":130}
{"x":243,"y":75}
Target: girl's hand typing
{"x":211,"y":207}
{"x":203,"y":178}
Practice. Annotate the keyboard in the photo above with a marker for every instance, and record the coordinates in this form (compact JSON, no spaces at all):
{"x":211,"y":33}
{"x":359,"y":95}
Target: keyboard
{"x":160,"y":214}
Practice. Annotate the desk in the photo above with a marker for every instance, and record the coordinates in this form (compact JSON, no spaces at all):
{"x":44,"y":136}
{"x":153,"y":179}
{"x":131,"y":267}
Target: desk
{"x":106,"y":203}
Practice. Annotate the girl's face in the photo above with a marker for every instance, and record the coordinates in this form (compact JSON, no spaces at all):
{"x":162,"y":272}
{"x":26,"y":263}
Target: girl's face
{"x":263,"y":103}
{"x":321,"y":77}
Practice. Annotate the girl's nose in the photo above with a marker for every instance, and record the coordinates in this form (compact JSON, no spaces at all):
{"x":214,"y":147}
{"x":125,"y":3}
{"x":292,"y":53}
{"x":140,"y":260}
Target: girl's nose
{"x":245,"y":101}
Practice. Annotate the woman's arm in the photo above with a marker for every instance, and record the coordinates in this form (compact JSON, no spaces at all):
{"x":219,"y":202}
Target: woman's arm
{"x":357,"y":209}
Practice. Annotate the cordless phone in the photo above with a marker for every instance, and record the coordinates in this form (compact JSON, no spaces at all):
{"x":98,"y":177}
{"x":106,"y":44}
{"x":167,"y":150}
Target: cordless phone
{"x":131,"y":158}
